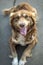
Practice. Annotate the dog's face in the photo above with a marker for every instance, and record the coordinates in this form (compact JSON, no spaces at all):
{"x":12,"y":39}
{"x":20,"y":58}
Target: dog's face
{"x":22,"y":21}
{"x":22,"y":18}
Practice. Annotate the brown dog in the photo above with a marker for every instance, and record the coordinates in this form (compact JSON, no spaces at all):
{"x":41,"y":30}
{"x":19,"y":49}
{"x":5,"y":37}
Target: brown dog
{"x":24,"y":30}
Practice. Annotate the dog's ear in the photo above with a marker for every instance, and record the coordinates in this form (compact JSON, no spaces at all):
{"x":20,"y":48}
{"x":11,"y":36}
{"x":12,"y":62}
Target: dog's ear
{"x":8,"y":11}
{"x":33,"y":15}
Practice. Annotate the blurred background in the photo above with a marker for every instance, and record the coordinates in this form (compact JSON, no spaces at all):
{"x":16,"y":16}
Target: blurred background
{"x":5,"y":33}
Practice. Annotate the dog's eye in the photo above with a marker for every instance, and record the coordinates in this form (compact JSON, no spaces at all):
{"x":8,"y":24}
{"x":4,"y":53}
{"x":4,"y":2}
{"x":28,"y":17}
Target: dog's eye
{"x":27,"y":17}
{"x":31,"y":22}
{"x":16,"y":19}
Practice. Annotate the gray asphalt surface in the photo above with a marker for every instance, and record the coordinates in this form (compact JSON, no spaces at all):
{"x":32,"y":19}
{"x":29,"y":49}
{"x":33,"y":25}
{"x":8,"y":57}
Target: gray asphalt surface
{"x":5,"y":32}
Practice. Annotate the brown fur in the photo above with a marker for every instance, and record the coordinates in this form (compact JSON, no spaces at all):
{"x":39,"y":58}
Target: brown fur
{"x":30,"y":11}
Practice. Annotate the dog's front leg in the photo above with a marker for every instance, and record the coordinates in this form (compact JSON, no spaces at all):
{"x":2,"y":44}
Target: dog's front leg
{"x":14,"y":54}
{"x":27,"y":53}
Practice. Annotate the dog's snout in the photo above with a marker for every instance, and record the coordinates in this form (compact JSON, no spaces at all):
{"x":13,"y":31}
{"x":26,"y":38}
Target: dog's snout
{"x":22,"y":25}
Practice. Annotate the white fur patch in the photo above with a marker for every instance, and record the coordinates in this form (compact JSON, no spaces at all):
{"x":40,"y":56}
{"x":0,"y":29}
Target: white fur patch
{"x":11,"y":14}
{"x":15,"y":61}
{"x":22,"y":62}
{"x":24,"y":14}
{"x":19,"y":14}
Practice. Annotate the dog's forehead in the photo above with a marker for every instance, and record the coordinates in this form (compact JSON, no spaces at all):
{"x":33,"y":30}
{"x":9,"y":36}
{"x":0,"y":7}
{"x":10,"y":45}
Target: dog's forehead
{"x":20,"y":12}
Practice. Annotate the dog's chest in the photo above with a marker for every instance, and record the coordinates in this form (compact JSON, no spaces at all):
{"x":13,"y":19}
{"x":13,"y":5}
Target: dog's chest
{"x":21,"y":39}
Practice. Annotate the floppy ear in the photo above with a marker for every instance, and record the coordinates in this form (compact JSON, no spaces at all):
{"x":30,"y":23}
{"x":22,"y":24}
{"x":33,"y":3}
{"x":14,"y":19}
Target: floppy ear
{"x":33,"y":11}
{"x":33,"y":15}
{"x":8,"y":11}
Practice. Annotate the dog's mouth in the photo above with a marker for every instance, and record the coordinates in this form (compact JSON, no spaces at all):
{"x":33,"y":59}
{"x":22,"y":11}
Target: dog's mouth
{"x":23,"y":31}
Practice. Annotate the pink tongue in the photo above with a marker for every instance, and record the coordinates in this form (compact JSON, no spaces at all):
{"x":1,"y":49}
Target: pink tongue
{"x":23,"y":31}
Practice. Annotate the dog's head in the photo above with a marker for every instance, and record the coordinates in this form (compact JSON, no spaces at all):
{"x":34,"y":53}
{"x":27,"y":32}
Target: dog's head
{"x":23,"y":18}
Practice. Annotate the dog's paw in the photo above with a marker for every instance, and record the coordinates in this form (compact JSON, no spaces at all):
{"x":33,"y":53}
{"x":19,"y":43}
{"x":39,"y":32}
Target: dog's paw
{"x":22,"y":62}
{"x":15,"y":61}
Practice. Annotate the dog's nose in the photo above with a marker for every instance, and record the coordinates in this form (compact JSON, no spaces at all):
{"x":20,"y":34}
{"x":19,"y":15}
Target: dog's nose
{"x":22,"y":25}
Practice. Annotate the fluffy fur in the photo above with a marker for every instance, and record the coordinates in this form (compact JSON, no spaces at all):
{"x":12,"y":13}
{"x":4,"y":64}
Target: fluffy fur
{"x":24,"y":29}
